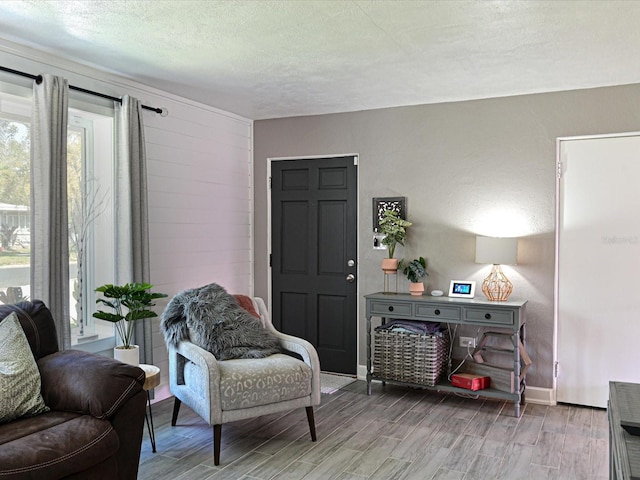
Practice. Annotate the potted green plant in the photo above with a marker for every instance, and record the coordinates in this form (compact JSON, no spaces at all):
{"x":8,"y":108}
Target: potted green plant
{"x":394,"y":229}
{"x":415,"y":270}
{"x":128,"y":303}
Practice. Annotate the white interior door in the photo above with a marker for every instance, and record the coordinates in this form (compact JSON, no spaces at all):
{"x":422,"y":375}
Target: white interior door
{"x":598,"y":284}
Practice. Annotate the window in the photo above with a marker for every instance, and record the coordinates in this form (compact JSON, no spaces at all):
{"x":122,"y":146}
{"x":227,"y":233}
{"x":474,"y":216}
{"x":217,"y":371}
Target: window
{"x":89,"y":177}
{"x":89,"y":181}
{"x":15,"y":249}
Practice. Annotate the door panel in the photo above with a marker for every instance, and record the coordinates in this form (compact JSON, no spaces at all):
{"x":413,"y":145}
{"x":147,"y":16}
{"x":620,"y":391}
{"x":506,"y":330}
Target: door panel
{"x":332,"y":334}
{"x":332,"y":231}
{"x":294,"y":250}
{"x":598,"y":263}
{"x":293,"y":307}
{"x":314,"y":234}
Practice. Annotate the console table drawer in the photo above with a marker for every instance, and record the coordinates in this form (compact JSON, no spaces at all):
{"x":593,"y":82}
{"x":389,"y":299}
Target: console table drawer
{"x":389,"y":309}
{"x":488,"y":316}
{"x":437,"y":312}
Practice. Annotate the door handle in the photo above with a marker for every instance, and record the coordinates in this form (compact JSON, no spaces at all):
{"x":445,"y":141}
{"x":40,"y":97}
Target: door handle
{"x":351,"y":278}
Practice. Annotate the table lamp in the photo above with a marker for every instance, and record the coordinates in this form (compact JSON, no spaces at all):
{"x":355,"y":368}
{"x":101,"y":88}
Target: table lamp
{"x":496,"y":251}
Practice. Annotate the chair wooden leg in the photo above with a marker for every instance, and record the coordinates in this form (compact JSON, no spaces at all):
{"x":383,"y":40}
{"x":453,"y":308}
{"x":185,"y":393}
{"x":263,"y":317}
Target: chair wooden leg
{"x":176,"y":409}
{"x":217,"y":433}
{"x":312,"y":423}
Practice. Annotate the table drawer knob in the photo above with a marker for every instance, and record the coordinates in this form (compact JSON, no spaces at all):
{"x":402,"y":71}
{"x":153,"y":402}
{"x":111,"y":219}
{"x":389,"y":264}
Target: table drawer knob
{"x":437,"y":311}
{"x":487,"y":316}
{"x":391,"y":308}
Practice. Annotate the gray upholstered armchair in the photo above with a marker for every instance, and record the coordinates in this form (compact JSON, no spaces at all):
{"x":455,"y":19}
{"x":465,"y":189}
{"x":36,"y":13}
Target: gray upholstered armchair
{"x":237,"y":389}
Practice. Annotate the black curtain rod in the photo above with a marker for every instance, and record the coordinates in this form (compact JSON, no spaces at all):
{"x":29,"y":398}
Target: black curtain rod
{"x":38,"y":79}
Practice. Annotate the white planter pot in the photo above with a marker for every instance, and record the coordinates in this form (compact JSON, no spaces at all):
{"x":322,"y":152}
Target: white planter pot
{"x":129,"y":355}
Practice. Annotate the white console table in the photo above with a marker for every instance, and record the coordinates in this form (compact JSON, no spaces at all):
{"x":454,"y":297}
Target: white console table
{"x":509,"y":316}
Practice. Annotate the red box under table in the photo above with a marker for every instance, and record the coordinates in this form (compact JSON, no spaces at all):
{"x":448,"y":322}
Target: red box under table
{"x":470,"y":381}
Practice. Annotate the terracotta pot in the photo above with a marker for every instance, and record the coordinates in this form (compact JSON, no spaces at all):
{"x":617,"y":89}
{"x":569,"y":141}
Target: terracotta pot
{"x":127,"y":355}
{"x":390,"y":265}
{"x":416,"y":288}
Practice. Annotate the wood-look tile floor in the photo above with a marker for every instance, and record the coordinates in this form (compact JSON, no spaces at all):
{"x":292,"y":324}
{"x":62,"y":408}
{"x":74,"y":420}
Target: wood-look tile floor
{"x":396,"y":433}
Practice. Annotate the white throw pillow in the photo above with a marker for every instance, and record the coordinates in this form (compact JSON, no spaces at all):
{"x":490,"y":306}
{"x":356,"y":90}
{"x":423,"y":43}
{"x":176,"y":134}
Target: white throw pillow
{"x":19,"y":375}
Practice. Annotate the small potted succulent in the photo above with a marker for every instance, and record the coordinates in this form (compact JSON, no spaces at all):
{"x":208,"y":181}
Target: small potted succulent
{"x":394,"y":228}
{"x":415,"y":270}
{"x":128,"y":303}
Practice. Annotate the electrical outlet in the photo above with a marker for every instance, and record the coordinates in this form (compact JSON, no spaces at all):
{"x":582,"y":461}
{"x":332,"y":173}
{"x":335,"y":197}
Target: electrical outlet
{"x":469,"y":342}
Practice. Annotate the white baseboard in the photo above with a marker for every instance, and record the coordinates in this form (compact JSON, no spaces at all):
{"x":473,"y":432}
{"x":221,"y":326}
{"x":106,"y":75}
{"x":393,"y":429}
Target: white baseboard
{"x":536,"y":395}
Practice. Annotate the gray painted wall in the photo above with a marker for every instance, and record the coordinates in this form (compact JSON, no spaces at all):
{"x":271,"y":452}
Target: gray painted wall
{"x":477,"y":167}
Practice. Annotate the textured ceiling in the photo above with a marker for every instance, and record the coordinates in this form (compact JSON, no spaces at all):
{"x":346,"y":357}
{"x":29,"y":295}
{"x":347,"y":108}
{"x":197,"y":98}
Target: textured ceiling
{"x":266,"y":59}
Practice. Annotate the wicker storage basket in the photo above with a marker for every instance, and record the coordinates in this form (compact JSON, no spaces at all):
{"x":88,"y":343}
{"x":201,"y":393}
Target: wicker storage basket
{"x":409,"y":357}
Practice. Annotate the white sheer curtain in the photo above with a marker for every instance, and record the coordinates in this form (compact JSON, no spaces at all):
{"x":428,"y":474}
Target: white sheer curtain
{"x":49,"y":225}
{"x":130,"y":200}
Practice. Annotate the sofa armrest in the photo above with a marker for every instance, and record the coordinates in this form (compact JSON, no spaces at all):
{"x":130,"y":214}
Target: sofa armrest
{"x":77,"y":381}
{"x":288,"y":342}
{"x":297,"y":345}
{"x":198,"y":355}
{"x":203,"y":396}
{"x":308,"y":354}
{"x":128,"y":421}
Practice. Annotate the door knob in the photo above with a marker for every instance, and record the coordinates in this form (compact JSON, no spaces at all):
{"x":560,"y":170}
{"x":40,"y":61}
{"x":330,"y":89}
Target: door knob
{"x":351,"y":278}
{"x":350,"y":263}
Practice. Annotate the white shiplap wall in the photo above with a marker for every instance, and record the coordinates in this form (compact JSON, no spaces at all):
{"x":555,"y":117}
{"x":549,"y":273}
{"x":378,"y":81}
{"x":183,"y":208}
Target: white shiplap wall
{"x":200,"y":204}
{"x":199,"y":162}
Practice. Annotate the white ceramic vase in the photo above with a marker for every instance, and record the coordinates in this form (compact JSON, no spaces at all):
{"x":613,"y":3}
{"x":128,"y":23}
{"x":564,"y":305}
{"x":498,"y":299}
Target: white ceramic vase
{"x":129,"y":355}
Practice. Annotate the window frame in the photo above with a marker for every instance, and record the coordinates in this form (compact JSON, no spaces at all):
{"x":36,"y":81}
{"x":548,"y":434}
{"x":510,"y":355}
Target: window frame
{"x":99,"y":269}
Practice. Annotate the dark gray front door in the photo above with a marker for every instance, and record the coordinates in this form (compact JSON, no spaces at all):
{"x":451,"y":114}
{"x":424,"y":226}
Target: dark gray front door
{"x":314,"y":250}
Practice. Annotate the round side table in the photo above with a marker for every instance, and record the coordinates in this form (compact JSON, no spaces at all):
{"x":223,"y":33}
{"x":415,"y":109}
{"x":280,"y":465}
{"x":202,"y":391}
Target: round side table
{"x":151,"y":381}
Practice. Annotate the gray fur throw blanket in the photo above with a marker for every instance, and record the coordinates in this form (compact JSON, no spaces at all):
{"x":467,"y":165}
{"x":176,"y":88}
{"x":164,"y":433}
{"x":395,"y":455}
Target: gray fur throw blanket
{"x":211,"y":318}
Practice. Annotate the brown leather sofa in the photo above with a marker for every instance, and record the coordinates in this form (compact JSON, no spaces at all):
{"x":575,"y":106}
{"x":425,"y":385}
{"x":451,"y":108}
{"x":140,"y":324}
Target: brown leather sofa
{"x":97,"y":405}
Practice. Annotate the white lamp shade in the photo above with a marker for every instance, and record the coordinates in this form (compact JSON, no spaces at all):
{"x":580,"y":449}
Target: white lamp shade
{"x":497,"y":251}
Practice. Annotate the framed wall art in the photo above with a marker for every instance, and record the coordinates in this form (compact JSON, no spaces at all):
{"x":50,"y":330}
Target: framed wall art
{"x":380,"y":204}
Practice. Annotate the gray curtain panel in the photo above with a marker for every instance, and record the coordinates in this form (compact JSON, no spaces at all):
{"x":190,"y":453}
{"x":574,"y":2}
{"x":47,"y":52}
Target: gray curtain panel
{"x":131,"y":211}
{"x":49,"y":225}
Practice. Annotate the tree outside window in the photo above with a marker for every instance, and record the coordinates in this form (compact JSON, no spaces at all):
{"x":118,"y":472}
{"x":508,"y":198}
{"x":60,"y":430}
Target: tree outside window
{"x":14,"y":210}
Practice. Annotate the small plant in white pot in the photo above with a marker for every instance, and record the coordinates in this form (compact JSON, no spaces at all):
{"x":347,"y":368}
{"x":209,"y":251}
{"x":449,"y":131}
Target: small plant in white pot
{"x":415,"y":270}
{"x":128,"y":303}
{"x":394,"y":229}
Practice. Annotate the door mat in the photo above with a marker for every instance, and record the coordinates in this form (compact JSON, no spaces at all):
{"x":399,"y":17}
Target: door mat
{"x":330,"y":383}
